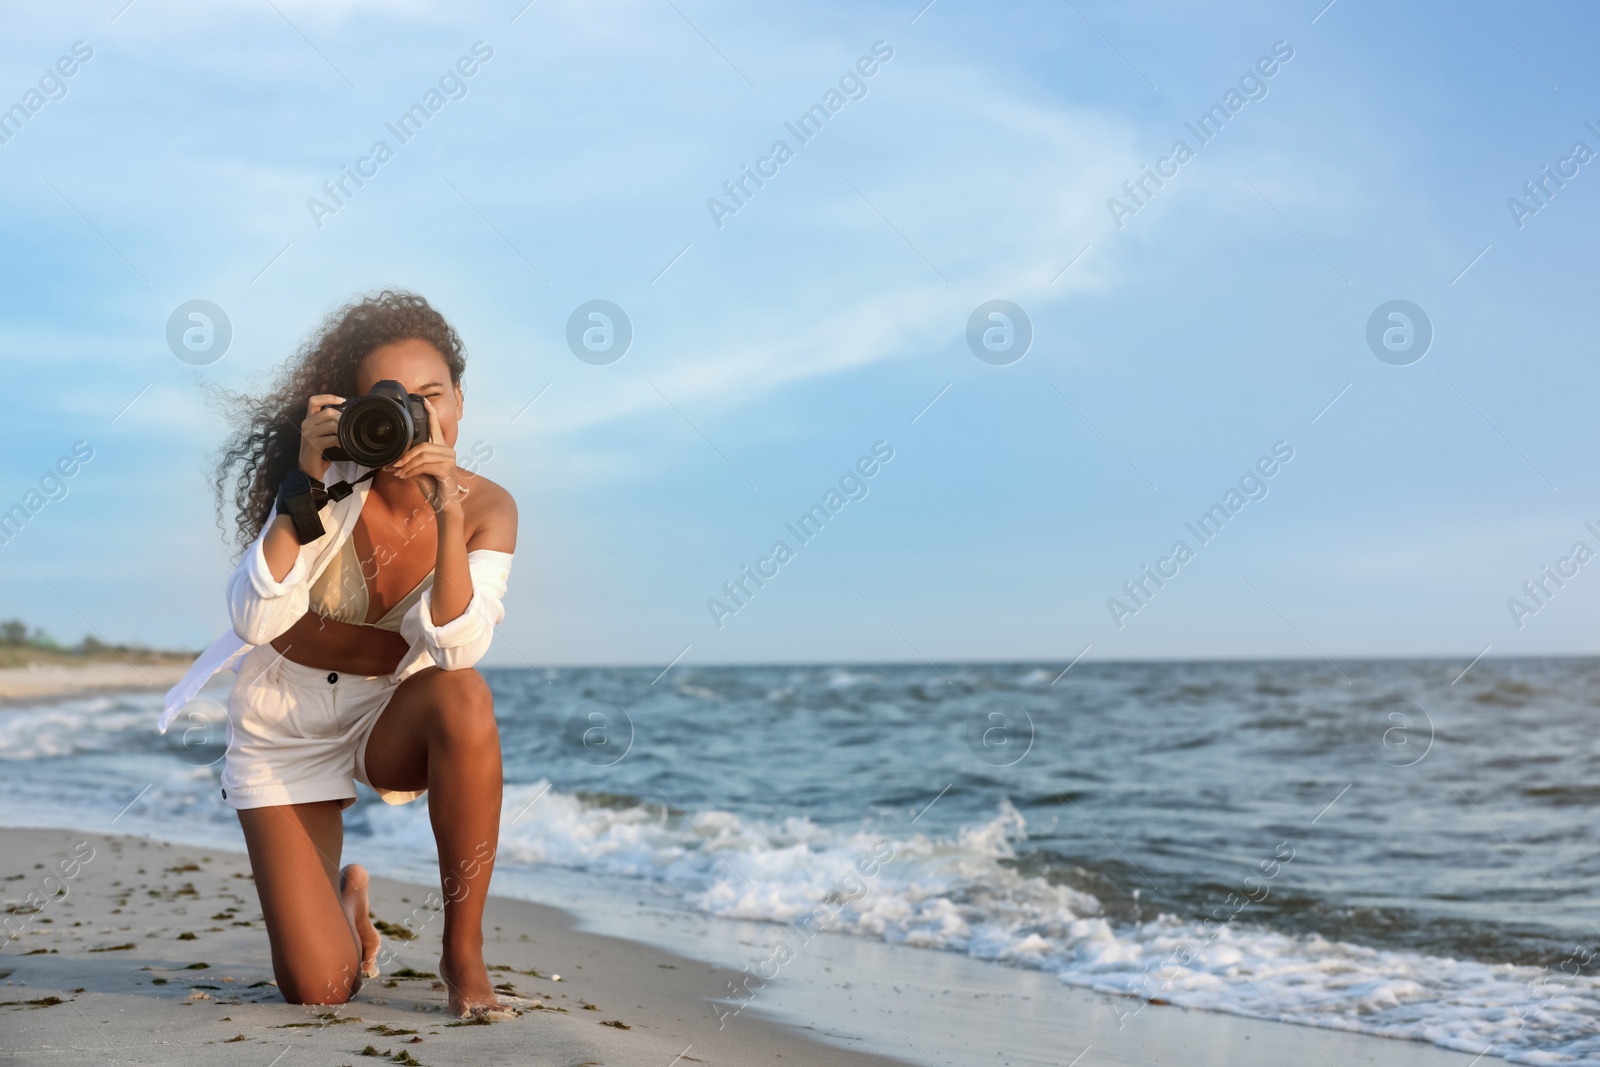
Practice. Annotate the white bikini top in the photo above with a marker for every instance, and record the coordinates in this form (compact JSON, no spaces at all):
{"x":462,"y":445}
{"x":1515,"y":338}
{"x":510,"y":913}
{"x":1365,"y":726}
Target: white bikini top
{"x":340,"y":592}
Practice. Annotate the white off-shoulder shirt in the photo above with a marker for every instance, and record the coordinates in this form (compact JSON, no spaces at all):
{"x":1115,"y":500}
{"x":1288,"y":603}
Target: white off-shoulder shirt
{"x":262,"y":608}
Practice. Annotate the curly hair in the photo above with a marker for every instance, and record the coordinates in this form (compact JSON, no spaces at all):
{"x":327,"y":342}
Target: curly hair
{"x":266,"y":445}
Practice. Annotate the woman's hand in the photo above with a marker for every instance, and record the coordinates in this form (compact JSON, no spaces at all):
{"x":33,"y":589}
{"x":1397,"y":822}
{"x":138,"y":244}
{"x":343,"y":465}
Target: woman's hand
{"x":433,"y":465}
{"x":320,"y":430}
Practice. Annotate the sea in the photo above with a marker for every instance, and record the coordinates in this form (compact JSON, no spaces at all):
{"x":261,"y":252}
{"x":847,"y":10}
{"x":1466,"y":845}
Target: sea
{"x":1396,"y":847}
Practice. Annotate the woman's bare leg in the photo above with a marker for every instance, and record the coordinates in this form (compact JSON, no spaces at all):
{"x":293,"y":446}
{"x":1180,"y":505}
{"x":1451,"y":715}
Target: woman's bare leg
{"x":357,"y":908}
{"x":438,"y":732}
{"x":316,"y":915}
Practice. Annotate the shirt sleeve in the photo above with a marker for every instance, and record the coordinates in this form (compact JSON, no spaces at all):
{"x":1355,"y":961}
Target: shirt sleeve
{"x":462,"y":642}
{"x":260,"y":607}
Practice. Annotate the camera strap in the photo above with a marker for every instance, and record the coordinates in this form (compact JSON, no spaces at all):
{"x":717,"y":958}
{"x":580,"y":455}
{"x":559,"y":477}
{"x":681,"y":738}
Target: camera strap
{"x":339,"y":490}
{"x":301,"y":496}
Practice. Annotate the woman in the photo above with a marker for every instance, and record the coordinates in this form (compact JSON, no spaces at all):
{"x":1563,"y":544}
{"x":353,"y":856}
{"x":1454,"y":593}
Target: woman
{"x":355,"y":651}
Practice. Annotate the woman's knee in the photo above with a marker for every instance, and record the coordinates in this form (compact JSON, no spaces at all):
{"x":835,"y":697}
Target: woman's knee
{"x":463,"y":707}
{"x":318,"y":987}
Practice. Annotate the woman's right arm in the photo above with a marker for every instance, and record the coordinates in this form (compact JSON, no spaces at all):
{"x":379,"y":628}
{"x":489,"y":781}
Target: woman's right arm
{"x":270,"y":589}
{"x":280,"y":548}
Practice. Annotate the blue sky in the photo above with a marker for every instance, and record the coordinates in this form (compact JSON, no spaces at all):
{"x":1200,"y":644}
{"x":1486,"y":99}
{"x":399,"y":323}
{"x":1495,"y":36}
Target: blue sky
{"x":769,"y":353}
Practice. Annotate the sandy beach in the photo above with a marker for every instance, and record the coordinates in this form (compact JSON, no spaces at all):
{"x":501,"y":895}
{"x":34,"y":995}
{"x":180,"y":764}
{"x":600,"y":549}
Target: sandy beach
{"x":45,"y":680}
{"x":156,"y":954}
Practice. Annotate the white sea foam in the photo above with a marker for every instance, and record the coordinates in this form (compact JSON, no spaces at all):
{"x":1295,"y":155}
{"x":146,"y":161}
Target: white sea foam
{"x":78,"y":727}
{"x":842,"y":678}
{"x":959,"y":894}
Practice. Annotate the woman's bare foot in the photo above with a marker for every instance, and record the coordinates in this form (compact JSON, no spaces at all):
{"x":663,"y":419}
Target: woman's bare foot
{"x":353,"y":896}
{"x":471,"y":992}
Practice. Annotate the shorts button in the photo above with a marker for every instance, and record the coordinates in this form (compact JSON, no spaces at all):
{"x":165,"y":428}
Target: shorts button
{"x":332,"y":677}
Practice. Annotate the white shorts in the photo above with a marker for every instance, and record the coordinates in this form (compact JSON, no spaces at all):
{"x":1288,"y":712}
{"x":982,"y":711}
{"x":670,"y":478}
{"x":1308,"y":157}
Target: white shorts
{"x":299,"y":734}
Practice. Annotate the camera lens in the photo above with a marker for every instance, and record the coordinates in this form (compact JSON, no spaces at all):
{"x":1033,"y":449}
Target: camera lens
{"x":374,"y":430}
{"x":377,"y":433}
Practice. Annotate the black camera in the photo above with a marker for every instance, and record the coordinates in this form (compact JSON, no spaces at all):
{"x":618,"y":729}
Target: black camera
{"x":379,"y":428}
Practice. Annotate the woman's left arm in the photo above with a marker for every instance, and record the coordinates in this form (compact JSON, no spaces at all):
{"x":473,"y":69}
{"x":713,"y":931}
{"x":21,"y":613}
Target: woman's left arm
{"x":492,"y":530}
{"x":452,"y":580}
{"x":473,"y":558}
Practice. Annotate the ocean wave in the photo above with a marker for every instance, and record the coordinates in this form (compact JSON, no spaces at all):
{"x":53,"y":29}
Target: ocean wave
{"x":80,"y":726}
{"x":962,"y":893}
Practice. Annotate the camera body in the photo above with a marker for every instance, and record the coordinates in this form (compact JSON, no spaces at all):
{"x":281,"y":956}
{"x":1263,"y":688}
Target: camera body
{"x":379,"y":428}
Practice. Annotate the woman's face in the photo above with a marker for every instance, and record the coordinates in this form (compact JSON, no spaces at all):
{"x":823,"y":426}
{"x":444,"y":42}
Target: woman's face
{"x":421,"y":368}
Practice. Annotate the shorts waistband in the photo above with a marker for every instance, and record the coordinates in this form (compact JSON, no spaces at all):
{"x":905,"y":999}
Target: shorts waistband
{"x":286,"y":670}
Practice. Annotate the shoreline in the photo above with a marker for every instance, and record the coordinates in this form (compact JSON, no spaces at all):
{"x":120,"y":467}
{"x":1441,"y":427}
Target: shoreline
{"x":159,"y":946}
